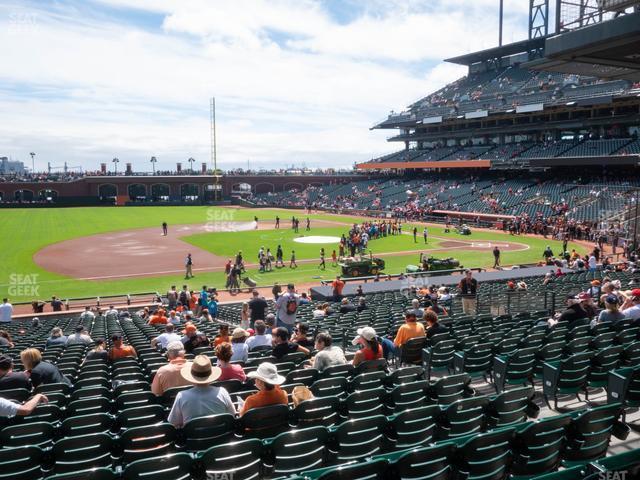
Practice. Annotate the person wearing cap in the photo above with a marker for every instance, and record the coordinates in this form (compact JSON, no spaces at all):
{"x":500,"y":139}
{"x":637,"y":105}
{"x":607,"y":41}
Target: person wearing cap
{"x":80,"y":337}
{"x":631,"y":307}
{"x":193,"y":338}
{"x":169,"y":376}
{"x":164,"y":339}
{"x":203,"y":399}
{"x":286,"y":307}
{"x":40,"y":372}
{"x":468,"y":287}
{"x":595,"y":289}
{"x":119,"y":349}
{"x":239,"y":346}
{"x":574,"y":314}
{"x":268,"y":384}
{"x":328,"y":355}
{"x":282,"y":345}
{"x":230,"y":371}
{"x":56,"y":338}
{"x":10,"y":379}
{"x":98,"y":352}
{"x":411,"y":329}
{"x":371,"y":349}
{"x":586,"y":301}
{"x":11,"y":409}
{"x":260,"y":339}
{"x":611,"y":312}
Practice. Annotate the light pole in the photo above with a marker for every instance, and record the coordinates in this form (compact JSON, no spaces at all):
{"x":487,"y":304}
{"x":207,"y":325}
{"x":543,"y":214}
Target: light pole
{"x":153,"y":163}
{"x":33,"y":163}
{"x":191,"y":160}
{"x":115,"y":165}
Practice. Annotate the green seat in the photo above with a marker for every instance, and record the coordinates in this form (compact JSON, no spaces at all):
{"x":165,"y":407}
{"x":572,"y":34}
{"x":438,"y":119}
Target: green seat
{"x":135,"y":399}
{"x":476,"y":360}
{"x":439,"y":357}
{"x":427,"y":463}
{"x":463,"y":417}
{"x":239,"y":460}
{"x":88,"y":406}
{"x":486,"y":456}
{"x":367,"y":381}
{"x":359,"y":438}
{"x":511,"y":407}
{"x":404,"y":375}
{"x":265,"y":422}
{"x":319,"y":411}
{"x":538,"y":446}
{"x":305,"y":376}
{"x":365,"y":403}
{"x":623,"y":386}
{"x":21,"y":463}
{"x":446,"y":390}
{"x":200,"y":433}
{"x":18,"y":395}
{"x":631,"y":354}
{"x":91,"y":474}
{"x":140,"y":416}
{"x":86,"y":424}
{"x":628,"y":462}
{"x":39,"y":434}
{"x":44,"y":413}
{"x":83,"y":452}
{"x":370,"y":470}
{"x":411,"y":351}
{"x":149,"y":441}
{"x":342,"y":371}
{"x":514,"y":369}
{"x":168,"y":467}
{"x":603,"y":361}
{"x":330,"y":387}
{"x":408,"y":395}
{"x":573,"y":473}
{"x":567,"y":376}
{"x":413,"y":427}
{"x":296,"y":450}
{"x":590,"y":432}
{"x":549,"y":352}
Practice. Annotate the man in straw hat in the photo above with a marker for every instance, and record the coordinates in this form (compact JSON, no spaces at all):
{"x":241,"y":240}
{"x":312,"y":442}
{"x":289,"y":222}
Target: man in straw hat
{"x":267,"y":382}
{"x":203,"y":399}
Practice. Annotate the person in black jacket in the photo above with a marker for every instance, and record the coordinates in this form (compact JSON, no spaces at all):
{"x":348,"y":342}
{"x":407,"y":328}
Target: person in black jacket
{"x":468,"y":287}
{"x":575,"y":315}
{"x":10,"y":379}
{"x":433,"y":326}
{"x":41,"y":372}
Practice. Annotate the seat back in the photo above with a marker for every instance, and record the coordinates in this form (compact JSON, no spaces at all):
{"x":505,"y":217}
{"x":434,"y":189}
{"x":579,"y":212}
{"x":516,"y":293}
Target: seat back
{"x":296,"y":450}
{"x":590,"y":432}
{"x":409,"y":395}
{"x":413,"y":427}
{"x":427,"y":463}
{"x":359,"y":438}
{"x":511,"y":407}
{"x":367,"y":381}
{"x":330,"y":387}
{"x":202,"y":432}
{"x":370,"y":470}
{"x":265,"y":422}
{"x":411,"y":351}
{"x":239,"y":460}
{"x":319,"y":411}
{"x":438,"y":357}
{"x":486,"y":455}
{"x":82,"y":452}
{"x":464,"y":417}
{"x":365,"y":403}
{"x":446,"y":390}
{"x":21,"y":463}
{"x":167,"y":467}
{"x":148,"y":441}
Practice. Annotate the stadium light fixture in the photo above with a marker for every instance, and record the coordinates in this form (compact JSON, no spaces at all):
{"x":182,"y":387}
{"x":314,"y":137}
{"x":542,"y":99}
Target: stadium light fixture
{"x":191,"y":160}
{"x":33,"y":163}
{"x":153,"y":164}
{"x":115,"y":165}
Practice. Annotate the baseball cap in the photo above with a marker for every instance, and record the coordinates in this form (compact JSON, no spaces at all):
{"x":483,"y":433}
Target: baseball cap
{"x":583,"y":296}
{"x":189,"y":328}
{"x":368,"y":333}
{"x":5,"y":362}
{"x":611,"y":298}
{"x":595,"y":283}
{"x":79,"y":328}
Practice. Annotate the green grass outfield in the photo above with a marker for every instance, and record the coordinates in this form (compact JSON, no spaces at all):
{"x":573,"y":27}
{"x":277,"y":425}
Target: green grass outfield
{"x":26,"y":231}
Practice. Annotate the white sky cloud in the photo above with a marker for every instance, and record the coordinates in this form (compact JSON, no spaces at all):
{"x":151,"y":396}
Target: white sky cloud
{"x":132,"y":78}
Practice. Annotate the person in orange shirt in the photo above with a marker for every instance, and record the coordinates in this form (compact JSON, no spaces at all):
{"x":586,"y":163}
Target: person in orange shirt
{"x":223,"y":335}
{"x":268,"y":384}
{"x":168,"y":376}
{"x":119,"y":350}
{"x":158,"y":318}
{"x":411,"y":329}
{"x":337,"y":286}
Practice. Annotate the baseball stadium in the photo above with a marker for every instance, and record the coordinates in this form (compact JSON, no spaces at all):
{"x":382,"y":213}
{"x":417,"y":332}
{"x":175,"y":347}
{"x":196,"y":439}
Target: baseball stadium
{"x":465,"y":307}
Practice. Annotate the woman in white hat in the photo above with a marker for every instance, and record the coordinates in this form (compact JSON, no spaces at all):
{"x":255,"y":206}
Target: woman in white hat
{"x":268,"y":383}
{"x":371,"y":348}
{"x":240,"y":348}
{"x":203,"y":399}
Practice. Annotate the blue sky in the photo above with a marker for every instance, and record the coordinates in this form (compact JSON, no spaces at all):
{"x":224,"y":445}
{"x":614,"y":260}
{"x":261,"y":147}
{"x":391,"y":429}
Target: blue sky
{"x":297,"y":82}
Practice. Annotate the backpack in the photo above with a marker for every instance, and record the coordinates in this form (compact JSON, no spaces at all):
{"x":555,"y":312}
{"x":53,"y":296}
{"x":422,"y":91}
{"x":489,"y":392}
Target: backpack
{"x":292,"y":305}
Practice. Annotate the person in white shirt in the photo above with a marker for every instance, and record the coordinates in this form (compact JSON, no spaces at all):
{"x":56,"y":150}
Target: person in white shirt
{"x":6,"y":311}
{"x":592,"y":263}
{"x":166,"y":338}
{"x":87,"y":315}
{"x":80,"y":337}
{"x":631,"y":307}
{"x":112,"y":313}
{"x":259,"y":339}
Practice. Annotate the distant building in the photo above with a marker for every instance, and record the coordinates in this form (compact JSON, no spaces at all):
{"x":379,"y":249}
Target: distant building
{"x":10,"y":167}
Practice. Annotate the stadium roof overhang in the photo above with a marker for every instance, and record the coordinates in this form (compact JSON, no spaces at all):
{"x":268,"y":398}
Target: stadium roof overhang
{"x":498,"y":52}
{"x":608,"y":50}
{"x":442,"y":164}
